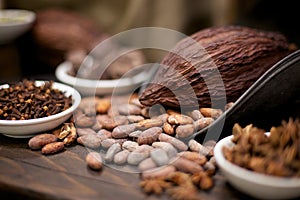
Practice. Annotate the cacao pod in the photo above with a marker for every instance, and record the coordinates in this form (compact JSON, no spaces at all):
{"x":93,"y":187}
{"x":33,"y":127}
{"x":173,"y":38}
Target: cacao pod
{"x":187,"y":75}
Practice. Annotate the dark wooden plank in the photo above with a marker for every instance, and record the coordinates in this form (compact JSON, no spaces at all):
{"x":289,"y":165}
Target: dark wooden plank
{"x":29,"y":174}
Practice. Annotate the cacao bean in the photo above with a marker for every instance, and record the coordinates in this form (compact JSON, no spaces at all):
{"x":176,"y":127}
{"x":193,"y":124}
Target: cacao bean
{"x":193,"y":156}
{"x":84,"y":121}
{"x":105,"y":144}
{"x":129,"y":109}
{"x":203,"y":122}
{"x":135,"y":157}
{"x":135,"y":118}
{"x":199,"y":148}
{"x":135,"y":134}
{"x":123,"y":131}
{"x":38,"y":141}
{"x":186,"y":165}
{"x":184,"y":131}
{"x":149,"y":136}
{"x":181,"y":146}
{"x":130,"y":145}
{"x":111,"y":152}
{"x":52,"y":148}
{"x":179,"y":119}
{"x":146,"y":164}
{"x":167,"y":147}
{"x":158,"y":172}
{"x":196,"y":115}
{"x":211,"y":112}
{"x":149,"y":123}
{"x":94,"y":160}
{"x":103,"y":134}
{"x":85,"y":131}
{"x":159,"y":156}
{"x":168,"y":128}
{"x":106,"y":122}
{"x":121,"y":157}
{"x":90,"y":140}
{"x":103,"y":105}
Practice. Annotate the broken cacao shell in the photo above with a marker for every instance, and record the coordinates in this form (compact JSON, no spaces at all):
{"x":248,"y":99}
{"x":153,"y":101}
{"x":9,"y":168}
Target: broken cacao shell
{"x":240,"y":55}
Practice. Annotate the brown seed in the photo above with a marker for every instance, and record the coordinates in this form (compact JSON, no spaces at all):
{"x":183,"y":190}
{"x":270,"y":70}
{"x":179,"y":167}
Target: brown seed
{"x":185,"y":130}
{"x":103,"y":134}
{"x":199,"y":148}
{"x":229,"y":105}
{"x":149,"y":136}
{"x":185,"y":165}
{"x":103,"y":105}
{"x":147,"y":164}
{"x":211,"y":112}
{"x":194,"y":156}
{"x":107,"y":143}
{"x":53,"y":147}
{"x":203,"y":122}
{"x":129,"y":109}
{"x":130,"y":145}
{"x":106,"y":122}
{"x":94,"y":160}
{"x":84,"y":131}
{"x":123,"y":131}
{"x":121,"y":157}
{"x":179,"y":119}
{"x":91,"y":141}
{"x":168,"y":128}
{"x":196,"y":115}
{"x":135,"y":118}
{"x":84,"y":121}
{"x":149,"y":123}
{"x":38,"y":141}
{"x":111,"y":152}
{"x":181,"y":146}
{"x":158,"y":172}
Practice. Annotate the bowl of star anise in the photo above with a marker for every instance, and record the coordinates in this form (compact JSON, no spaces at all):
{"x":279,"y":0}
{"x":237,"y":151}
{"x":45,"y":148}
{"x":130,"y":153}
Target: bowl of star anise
{"x":264,"y":165}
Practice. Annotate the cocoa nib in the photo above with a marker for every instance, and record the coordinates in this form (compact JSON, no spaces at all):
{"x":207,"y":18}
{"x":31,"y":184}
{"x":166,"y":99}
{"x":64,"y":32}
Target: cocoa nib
{"x":198,"y":69}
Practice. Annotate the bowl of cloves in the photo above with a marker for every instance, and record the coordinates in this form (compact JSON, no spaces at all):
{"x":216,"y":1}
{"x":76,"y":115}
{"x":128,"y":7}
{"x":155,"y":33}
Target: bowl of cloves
{"x":264,"y":165}
{"x":29,"y":107}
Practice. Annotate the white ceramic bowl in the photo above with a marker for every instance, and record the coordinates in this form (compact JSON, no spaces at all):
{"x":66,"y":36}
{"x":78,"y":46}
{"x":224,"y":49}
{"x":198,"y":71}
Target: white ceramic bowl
{"x":30,"y":127}
{"x":252,"y":183}
{"x":14,"y":23}
{"x":100,"y":87}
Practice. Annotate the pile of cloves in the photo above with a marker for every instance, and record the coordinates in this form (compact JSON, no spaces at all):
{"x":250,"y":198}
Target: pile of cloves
{"x":24,"y":100}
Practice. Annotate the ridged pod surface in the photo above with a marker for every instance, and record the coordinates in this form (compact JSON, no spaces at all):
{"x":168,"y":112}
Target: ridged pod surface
{"x":239,"y":54}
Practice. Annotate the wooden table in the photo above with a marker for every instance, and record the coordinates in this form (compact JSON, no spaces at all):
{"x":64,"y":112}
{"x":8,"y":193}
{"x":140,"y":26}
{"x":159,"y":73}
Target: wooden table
{"x":27,"y":174}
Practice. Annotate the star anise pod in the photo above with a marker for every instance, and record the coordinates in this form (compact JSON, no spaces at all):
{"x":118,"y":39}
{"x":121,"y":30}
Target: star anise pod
{"x":202,"y":180}
{"x":156,"y":186}
{"x":183,"y":193}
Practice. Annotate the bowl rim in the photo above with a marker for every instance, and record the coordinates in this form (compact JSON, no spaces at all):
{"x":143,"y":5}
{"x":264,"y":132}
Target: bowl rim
{"x":64,"y":67}
{"x":248,"y":175}
{"x":30,"y":17}
{"x":76,"y":99}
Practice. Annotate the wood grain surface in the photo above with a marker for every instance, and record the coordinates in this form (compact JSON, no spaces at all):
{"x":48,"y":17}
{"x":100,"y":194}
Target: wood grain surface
{"x":27,"y":174}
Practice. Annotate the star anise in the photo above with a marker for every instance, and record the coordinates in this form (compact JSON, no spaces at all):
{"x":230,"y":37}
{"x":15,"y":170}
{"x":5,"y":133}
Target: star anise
{"x":183,"y":193}
{"x":156,"y":186}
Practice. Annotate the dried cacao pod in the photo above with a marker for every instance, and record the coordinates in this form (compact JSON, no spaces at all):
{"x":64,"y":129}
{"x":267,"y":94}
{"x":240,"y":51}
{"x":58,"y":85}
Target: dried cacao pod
{"x":239,"y":54}
{"x":58,"y":31}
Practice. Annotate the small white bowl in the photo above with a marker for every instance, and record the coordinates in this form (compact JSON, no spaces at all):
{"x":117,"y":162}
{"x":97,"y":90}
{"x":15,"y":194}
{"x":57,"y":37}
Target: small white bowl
{"x":255,"y":184}
{"x":14,"y":23}
{"x":100,"y":87}
{"x":30,"y":127}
